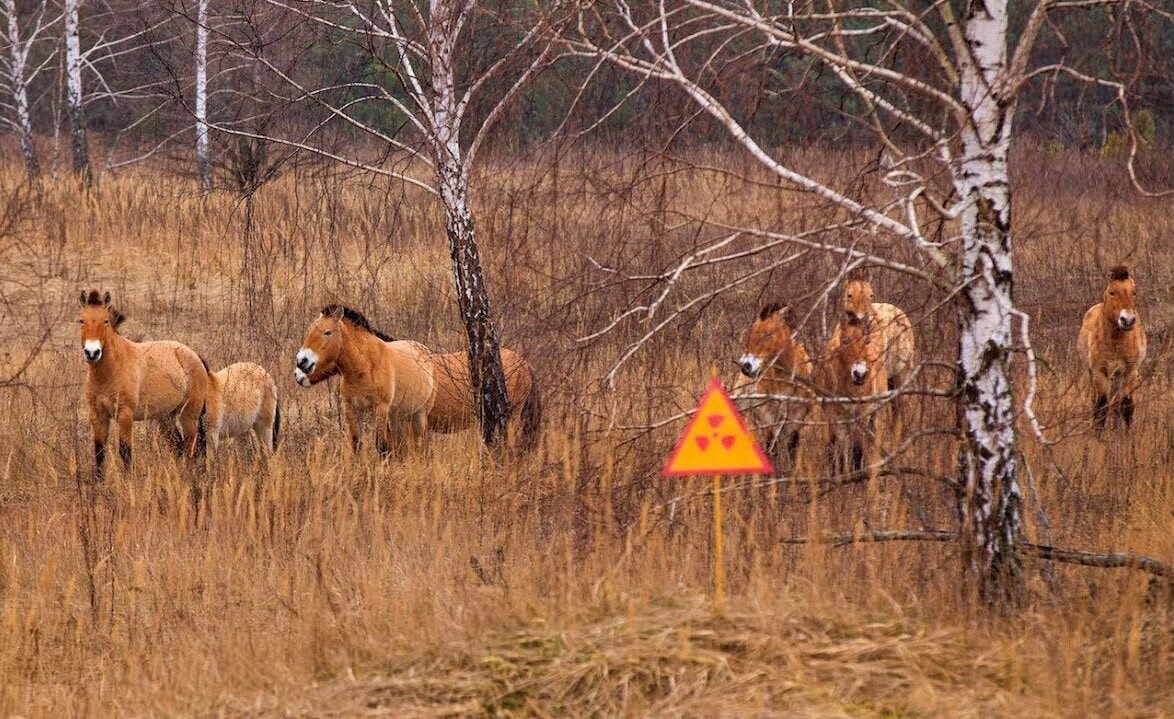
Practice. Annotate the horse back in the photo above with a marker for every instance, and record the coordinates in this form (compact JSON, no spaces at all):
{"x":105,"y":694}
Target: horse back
{"x":239,"y":394}
{"x":169,"y":375}
{"x":414,"y":382}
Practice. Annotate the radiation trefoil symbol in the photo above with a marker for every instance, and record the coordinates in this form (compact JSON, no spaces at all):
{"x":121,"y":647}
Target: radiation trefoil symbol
{"x":716,"y":441}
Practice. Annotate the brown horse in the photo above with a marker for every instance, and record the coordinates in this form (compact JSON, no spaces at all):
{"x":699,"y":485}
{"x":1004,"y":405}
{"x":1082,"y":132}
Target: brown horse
{"x":390,"y":378}
{"x":889,"y":326}
{"x":777,"y":364}
{"x":446,"y":397}
{"x":242,"y":398}
{"x":855,"y":370}
{"x":129,"y":381}
{"x":1112,"y":343}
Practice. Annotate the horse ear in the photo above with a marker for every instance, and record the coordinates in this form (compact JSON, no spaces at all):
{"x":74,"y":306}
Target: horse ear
{"x":106,"y":298}
{"x":82,"y":299}
{"x":337,"y":312}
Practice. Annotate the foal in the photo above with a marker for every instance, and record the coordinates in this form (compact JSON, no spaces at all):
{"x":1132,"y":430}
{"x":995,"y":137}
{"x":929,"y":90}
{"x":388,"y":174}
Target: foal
{"x":391,"y":378}
{"x":855,"y":370}
{"x":242,"y":398}
{"x":1112,"y":344}
{"x":778,"y":364}
{"x":888,"y":325}
{"x":130,"y":381}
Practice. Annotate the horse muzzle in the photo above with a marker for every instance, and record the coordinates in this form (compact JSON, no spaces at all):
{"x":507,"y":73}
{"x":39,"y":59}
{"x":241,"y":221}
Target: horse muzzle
{"x":859,"y":374}
{"x":751,"y":366}
{"x":1126,"y":322}
{"x":92,"y":351}
{"x":302,"y":378}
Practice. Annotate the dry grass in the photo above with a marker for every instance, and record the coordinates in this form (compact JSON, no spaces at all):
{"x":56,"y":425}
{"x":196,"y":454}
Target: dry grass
{"x":562,"y":584}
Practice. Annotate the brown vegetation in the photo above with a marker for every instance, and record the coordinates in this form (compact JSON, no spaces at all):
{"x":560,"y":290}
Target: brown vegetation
{"x":574,"y":580}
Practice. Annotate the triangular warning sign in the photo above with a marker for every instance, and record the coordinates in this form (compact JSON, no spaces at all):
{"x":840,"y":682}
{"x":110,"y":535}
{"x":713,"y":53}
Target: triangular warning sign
{"x":717,"y":441}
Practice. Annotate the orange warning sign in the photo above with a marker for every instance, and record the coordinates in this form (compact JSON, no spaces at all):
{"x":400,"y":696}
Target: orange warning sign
{"x":716,"y":441}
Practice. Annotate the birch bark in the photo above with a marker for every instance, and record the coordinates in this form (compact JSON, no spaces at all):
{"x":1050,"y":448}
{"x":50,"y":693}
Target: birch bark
{"x":74,"y":110}
{"x":988,"y":465}
{"x":18,"y":50}
{"x":203,"y":160}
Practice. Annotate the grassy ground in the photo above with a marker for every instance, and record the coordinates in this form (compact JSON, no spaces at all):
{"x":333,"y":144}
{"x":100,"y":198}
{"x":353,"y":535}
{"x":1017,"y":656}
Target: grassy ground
{"x":573,"y":581}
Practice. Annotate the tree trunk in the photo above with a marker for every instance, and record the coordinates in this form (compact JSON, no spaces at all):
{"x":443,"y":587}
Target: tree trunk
{"x":203,"y":161}
{"x":992,"y":520}
{"x":18,"y":61}
{"x":485,"y":369}
{"x":75,"y":113}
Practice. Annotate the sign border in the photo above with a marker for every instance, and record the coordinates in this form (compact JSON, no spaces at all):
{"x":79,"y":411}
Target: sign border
{"x":715,"y":384}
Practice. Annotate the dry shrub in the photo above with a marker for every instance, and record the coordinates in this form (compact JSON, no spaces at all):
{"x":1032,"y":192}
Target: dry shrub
{"x":571,"y":581}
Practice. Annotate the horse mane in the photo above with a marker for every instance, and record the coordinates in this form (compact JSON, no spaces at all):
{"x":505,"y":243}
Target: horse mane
{"x":94,"y":299}
{"x":357,"y":319}
{"x":769,"y":309}
{"x":1120,"y":273}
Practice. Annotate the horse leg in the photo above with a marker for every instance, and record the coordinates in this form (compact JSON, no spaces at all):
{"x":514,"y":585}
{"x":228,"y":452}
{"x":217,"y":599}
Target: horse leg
{"x":353,"y":425}
{"x":384,"y":435}
{"x":1132,"y":380}
{"x":100,"y":426}
{"x":1100,"y":400}
{"x":126,"y":426}
{"x":419,"y":427}
{"x":793,"y":445}
{"x":190,"y":417}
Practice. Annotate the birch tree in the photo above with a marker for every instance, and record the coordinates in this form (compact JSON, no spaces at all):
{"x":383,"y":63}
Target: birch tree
{"x":75,"y":114}
{"x":203,"y":159}
{"x":445,"y":72}
{"x":936,"y":83}
{"x":18,"y":71}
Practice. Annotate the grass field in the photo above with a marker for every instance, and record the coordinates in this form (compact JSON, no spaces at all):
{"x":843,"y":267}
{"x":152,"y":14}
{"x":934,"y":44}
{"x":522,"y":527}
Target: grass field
{"x":573,"y":581}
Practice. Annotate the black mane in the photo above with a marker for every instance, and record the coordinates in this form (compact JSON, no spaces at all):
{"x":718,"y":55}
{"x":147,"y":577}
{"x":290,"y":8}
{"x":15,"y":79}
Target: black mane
{"x":357,"y":319}
{"x":769,"y":309}
{"x":1120,"y":273}
{"x":96,"y":300}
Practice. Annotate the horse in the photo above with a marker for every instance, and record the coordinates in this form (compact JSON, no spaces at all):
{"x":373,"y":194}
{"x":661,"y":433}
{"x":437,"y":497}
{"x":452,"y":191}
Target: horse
{"x":889,"y":326}
{"x":778,"y":364}
{"x":380,"y":374}
{"x":855,"y":369}
{"x":133,"y":381}
{"x":1112,"y":344}
{"x":449,"y":406}
{"x":242,"y":397}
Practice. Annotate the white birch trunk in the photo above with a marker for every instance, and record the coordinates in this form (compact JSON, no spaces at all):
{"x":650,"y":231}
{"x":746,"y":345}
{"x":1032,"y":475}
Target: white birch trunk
{"x":485,"y":368}
{"x":18,"y":60}
{"x":75,"y":113}
{"x":203,"y":160}
{"x":992,"y":518}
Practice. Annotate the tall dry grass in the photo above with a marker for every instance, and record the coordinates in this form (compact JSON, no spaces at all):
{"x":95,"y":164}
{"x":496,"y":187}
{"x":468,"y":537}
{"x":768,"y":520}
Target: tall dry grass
{"x":574,"y":581}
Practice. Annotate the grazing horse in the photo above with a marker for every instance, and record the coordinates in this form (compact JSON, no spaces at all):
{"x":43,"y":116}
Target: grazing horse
{"x":389,"y":377}
{"x":128,"y":381}
{"x":855,"y":369}
{"x":242,"y":398}
{"x":888,"y":325}
{"x":778,"y":364}
{"x":1112,"y":343}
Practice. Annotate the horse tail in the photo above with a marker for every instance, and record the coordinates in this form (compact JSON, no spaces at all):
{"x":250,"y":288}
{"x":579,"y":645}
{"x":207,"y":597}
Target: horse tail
{"x":202,"y":423}
{"x":531,"y":414}
{"x":276,"y":423}
{"x":201,"y":431}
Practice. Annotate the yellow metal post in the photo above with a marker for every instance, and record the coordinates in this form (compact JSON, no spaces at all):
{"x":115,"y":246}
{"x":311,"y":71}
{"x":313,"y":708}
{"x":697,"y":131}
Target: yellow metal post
{"x":719,"y":567}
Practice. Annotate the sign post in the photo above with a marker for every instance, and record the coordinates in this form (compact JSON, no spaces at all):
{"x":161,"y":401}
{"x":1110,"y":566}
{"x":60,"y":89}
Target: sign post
{"x":716,"y":442}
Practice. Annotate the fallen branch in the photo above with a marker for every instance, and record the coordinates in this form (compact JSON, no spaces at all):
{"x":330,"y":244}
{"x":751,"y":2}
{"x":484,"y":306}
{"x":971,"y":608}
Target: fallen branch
{"x":1053,"y":554}
{"x":1108,"y":561}
{"x":932,"y":535}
